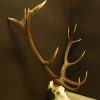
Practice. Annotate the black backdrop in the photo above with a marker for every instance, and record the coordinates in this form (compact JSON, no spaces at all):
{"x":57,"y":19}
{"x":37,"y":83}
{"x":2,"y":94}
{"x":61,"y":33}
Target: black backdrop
{"x":21,"y":75}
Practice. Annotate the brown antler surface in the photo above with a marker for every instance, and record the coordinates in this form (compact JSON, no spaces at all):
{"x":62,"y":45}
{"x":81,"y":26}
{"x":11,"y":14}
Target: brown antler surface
{"x":61,"y":80}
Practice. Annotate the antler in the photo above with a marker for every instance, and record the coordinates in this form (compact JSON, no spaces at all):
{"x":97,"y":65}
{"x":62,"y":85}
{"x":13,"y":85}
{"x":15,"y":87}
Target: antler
{"x":61,"y":80}
{"x":67,"y":64}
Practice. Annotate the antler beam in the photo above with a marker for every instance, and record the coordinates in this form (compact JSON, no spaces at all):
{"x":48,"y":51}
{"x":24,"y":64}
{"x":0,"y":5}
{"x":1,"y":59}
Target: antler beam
{"x":58,"y":79}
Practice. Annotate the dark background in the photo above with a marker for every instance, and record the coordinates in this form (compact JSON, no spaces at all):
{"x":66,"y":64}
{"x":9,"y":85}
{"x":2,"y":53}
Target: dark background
{"x":21,"y":74}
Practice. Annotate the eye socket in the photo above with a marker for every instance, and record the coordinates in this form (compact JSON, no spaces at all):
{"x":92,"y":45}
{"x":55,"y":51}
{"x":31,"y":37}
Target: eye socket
{"x":57,"y":92}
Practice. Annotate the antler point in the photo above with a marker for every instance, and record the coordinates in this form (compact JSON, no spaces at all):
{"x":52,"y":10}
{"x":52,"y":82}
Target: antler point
{"x":86,"y":73}
{"x":68,"y":32}
{"x":79,"y":81}
{"x":75,"y":28}
{"x":10,"y":18}
{"x":83,"y":53}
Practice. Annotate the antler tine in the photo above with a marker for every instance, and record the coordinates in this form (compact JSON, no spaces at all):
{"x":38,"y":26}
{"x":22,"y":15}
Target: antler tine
{"x":66,"y":62}
{"x":36,"y":9}
{"x":68,"y":33}
{"x":21,"y":22}
{"x":76,"y":61}
{"x":75,"y":28}
{"x":25,"y":25}
{"x":84,"y":80}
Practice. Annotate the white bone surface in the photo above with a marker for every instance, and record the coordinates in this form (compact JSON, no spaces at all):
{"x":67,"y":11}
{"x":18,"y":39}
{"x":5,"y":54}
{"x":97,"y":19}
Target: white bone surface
{"x":74,"y":96}
{"x":60,"y":93}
